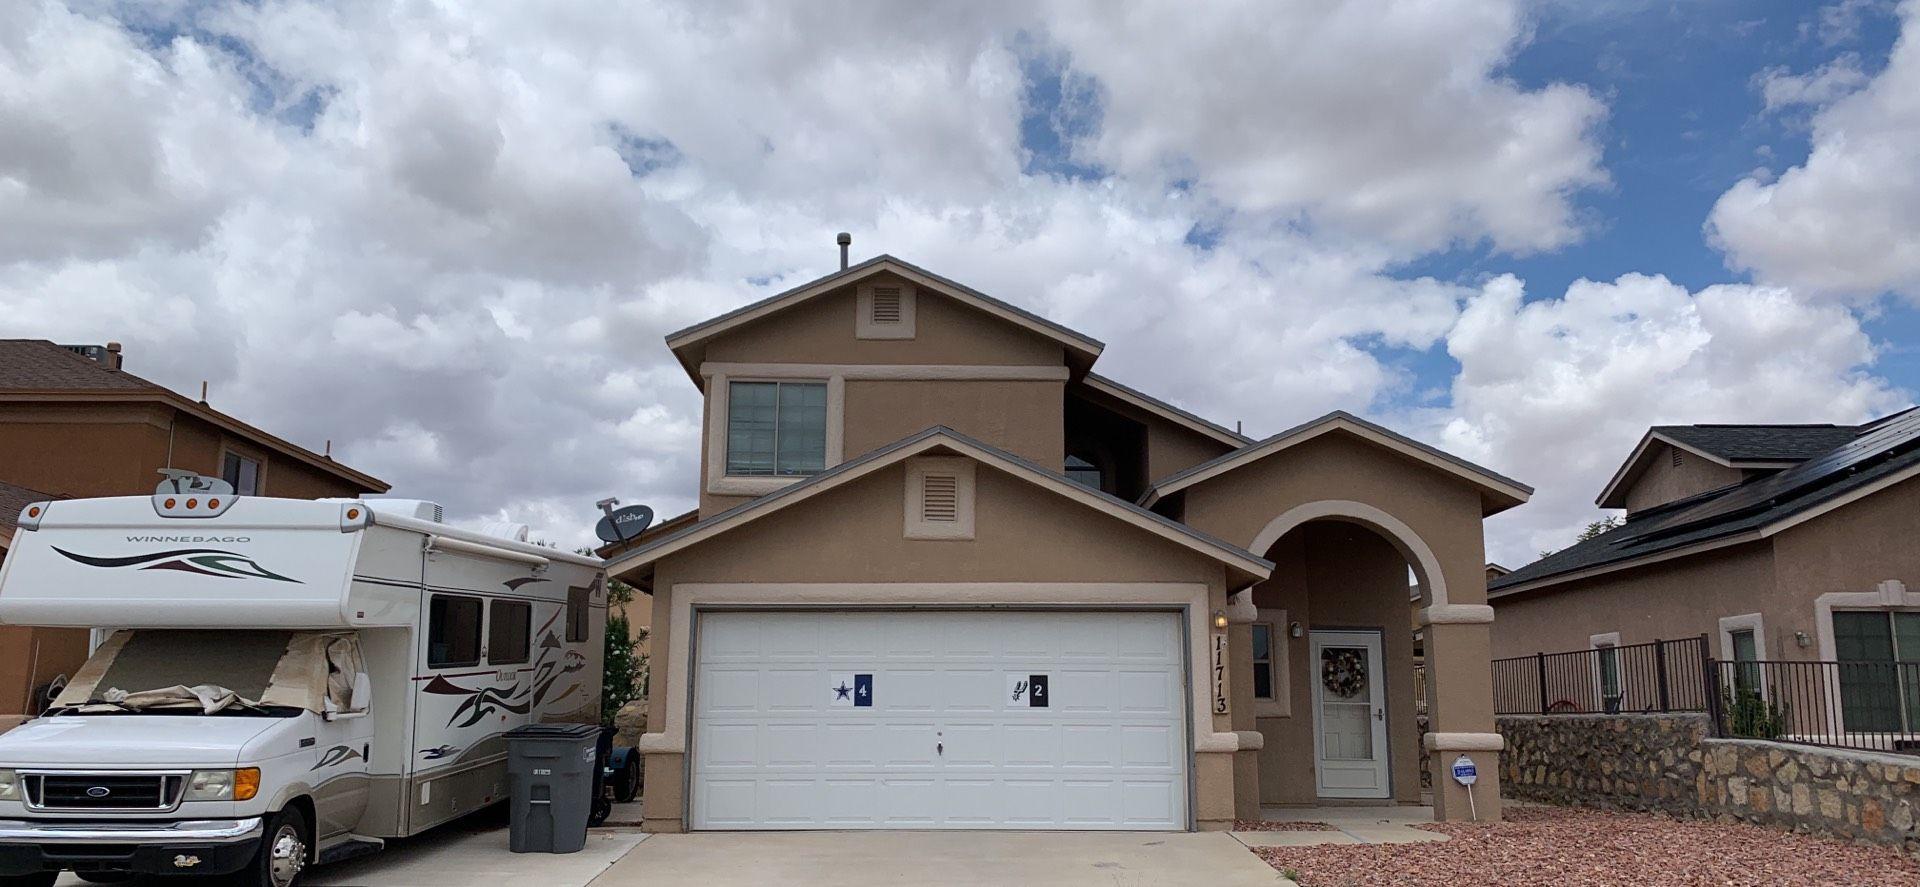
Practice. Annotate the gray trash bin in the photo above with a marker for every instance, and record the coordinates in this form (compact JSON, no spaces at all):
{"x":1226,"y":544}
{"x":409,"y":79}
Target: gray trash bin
{"x":550,"y":772}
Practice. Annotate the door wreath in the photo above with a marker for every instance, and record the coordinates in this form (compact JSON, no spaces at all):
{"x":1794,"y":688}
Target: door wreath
{"x":1343,"y":672}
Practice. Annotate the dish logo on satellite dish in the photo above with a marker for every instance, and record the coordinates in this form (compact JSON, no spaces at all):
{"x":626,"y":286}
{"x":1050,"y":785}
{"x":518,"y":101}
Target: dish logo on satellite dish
{"x":622,"y":524}
{"x":198,"y":561}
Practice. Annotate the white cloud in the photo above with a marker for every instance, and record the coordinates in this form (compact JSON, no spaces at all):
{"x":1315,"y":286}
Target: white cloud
{"x":1391,"y":123}
{"x":1780,"y":89}
{"x":450,"y":238}
{"x":1558,"y":391}
{"x":1843,"y":223}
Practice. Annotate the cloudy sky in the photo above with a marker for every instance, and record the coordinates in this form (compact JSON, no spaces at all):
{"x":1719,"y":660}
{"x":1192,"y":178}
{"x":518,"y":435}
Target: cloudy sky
{"x":450,"y":236}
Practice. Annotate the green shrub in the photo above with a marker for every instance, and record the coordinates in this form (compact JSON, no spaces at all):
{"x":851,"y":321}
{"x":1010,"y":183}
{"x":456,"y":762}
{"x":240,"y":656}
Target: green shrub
{"x":1749,"y":715}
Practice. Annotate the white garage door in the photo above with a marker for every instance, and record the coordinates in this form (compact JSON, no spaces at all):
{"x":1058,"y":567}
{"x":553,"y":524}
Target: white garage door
{"x":1019,"y":720}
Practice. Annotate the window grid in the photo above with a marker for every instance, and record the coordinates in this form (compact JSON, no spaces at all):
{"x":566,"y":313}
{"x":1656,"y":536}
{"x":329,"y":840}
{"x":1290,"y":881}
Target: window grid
{"x":1263,"y":660}
{"x":776,"y":429}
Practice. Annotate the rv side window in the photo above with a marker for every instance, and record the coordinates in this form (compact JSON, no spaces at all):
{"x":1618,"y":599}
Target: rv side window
{"x":577,"y":610}
{"x":453,"y":632}
{"x":507,"y":623}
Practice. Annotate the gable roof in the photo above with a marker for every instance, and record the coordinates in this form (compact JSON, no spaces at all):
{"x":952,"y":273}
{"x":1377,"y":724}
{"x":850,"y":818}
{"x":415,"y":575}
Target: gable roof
{"x":1141,"y":400}
{"x":1885,"y":453}
{"x":1082,"y":349}
{"x":1733,"y":446}
{"x":1498,"y":492}
{"x":36,"y":370}
{"x":1250,"y":567}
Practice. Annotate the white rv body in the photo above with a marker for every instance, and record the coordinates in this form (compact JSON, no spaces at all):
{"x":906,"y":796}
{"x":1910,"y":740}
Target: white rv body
{"x":463,"y":637}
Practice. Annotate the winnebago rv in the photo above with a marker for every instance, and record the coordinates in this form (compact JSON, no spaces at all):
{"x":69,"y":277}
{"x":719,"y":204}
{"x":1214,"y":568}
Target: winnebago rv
{"x":285,"y":682}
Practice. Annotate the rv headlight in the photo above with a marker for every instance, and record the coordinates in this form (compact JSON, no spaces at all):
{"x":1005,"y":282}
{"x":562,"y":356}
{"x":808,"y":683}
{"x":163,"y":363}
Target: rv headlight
{"x":224,"y":785}
{"x":9,"y":785}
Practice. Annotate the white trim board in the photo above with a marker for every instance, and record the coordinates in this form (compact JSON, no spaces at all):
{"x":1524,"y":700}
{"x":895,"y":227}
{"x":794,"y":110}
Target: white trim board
{"x":888,"y":371}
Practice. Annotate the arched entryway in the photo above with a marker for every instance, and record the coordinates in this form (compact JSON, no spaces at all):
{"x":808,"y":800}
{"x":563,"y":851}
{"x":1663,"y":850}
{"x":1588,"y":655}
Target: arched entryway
{"x":1331,"y":649}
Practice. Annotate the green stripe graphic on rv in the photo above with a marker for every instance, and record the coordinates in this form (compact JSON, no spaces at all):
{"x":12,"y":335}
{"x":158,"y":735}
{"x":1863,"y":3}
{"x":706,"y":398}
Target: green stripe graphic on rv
{"x":200,"y":561}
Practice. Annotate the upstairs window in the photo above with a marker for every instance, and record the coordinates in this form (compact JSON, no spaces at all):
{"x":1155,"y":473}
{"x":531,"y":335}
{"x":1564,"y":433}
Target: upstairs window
{"x":776,"y":429}
{"x":243,"y":473}
{"x":1082,"y":472}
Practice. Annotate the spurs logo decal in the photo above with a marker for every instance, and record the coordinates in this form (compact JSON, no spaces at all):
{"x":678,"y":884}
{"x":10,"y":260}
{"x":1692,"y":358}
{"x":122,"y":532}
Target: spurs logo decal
{"x":199,"y":561}
{"x":438,"y":752}
{"x":554,"y":663}
{"x":338,"y":754}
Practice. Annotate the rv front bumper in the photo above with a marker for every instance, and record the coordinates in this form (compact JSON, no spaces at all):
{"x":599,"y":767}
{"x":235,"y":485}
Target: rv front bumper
{"x":202,"y":846}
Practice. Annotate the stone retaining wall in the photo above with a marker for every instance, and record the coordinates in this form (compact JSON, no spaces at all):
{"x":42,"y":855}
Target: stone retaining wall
{"x":1668,"y":763}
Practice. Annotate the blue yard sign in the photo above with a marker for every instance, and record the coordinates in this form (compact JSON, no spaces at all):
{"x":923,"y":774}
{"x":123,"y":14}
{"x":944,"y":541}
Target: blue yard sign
{"x":1464,"y":772}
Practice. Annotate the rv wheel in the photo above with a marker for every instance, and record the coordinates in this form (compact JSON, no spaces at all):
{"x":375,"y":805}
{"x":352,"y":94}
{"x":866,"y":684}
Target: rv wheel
{"x":282,"y":854}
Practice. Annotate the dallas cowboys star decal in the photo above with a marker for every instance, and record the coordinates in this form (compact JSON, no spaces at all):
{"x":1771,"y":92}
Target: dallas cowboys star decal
{"x":842,"y":691}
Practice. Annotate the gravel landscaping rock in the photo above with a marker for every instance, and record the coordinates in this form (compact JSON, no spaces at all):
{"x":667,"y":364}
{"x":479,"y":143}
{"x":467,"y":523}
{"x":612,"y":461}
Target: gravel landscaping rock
{"x":1539,"y":846}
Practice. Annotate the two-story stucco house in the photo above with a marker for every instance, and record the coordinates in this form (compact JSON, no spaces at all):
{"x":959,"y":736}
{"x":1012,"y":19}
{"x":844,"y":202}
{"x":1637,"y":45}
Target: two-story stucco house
{"x":944,"y":576}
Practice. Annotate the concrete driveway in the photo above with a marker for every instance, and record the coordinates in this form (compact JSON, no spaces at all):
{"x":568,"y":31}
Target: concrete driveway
{"x":853,"y":859}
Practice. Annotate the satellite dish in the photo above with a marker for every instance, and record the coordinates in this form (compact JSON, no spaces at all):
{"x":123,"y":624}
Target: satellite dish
{"x":623,"y":524}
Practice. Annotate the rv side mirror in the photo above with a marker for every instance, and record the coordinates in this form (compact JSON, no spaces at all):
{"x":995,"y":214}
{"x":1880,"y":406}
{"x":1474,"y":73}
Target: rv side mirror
{"x":362,"y":693}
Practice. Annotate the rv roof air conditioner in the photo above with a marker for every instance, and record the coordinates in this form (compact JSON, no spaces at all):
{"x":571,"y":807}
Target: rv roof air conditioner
{"x":418,"y":509}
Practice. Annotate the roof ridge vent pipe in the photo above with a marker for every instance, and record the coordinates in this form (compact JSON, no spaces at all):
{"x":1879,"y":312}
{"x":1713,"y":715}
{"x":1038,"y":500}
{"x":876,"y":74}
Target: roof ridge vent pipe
{"x":845,"y":240}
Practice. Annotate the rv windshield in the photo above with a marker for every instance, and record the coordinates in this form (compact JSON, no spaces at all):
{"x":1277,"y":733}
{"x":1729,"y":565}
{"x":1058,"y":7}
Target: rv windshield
{"x":181,"y":672}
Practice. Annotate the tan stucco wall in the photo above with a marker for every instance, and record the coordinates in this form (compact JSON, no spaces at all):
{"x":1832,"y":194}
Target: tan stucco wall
{"x":1172,"y":448}
{"x":1675,"y":599}
{"x":1437,"y":508}
{"x":1662,"y":483}
{"x":1334,"y":576}
{"x":1023,"y":418}
{"x":1853,"y":548}
{"x":855,"y":533}
{"x":945,"y":332}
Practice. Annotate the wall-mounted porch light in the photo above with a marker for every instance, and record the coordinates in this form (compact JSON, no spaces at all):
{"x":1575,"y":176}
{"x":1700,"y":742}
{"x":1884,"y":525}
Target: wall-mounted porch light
{"x":1294,"y":630}
{"x":1219,"y":619}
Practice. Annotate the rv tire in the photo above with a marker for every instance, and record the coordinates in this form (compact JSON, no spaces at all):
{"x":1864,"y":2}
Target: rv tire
{"x":285,"y":849}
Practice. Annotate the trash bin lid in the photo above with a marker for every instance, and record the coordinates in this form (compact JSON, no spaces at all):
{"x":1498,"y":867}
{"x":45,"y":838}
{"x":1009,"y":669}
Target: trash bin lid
{"x":555,"y":731}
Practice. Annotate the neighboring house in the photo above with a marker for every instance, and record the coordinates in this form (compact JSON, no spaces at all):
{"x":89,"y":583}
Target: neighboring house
{"x":1778,"y":542}
{"x":74,"y":424}
{"x":944,"y":576}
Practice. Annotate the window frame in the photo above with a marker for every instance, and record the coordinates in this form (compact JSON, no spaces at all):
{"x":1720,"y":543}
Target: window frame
{"x":1263,"y":665}
{"x":579,"y":614}
{"x":490,"y":651}
{"x":1281,"y":651}
{"x":1746,"y":622}
{"x":259,"y":470}
{"x":1606,"y":658}
{"x":727,"y":469}
{"x":1086,"y":465}
{"x":479,"y":630}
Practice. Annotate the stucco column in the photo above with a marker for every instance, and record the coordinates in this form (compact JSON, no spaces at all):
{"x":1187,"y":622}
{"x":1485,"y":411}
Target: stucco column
{"x":1460,"y":710}
{"x":1241,"y":614}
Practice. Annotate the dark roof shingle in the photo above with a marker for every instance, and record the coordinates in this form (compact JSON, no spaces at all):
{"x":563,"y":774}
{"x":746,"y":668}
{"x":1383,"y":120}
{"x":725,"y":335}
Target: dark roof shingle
{"x":39,"y":365}
{"x":1761,"y":443}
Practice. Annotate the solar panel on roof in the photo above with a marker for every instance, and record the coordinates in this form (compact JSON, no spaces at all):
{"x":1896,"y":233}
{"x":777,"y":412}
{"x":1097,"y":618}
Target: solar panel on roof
{"x":1900,"y":433}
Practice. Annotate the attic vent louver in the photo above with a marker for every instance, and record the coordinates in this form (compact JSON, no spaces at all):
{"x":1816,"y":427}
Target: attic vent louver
{"x":886,"y":304}
{"x":940,"y":498}
{"x":1677,"y":457}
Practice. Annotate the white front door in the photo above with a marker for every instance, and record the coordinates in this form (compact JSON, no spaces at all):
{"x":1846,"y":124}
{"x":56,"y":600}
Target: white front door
{"x":1350,"y":715}
{"x":920,"y":720}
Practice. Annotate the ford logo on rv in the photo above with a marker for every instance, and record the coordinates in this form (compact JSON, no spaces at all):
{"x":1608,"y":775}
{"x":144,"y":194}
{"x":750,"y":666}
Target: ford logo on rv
{"x":99,"y":791}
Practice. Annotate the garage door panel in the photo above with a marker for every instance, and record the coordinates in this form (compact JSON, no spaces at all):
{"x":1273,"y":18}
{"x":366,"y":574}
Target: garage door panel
{"x":1147,"y":692}
{"x":943,"y":744}
{"x":1149,"y":746}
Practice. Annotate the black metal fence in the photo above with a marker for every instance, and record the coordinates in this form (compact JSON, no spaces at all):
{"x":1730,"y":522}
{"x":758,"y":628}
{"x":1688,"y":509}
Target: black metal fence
{"x":1861,"y":705}
{"x":1663,"y":676}
{"x":1873,"y":706}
